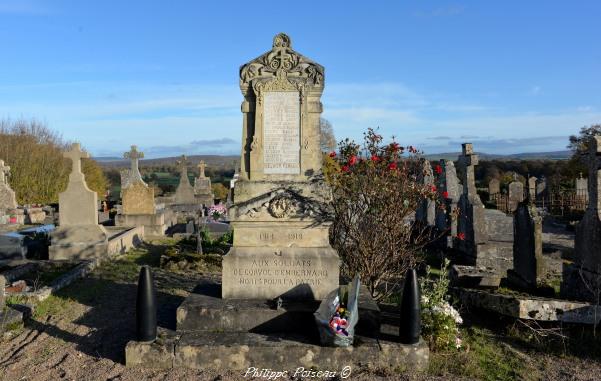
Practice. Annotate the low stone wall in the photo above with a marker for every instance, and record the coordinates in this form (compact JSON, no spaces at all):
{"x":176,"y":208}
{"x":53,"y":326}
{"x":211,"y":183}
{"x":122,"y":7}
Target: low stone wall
{"x":123,"y":241}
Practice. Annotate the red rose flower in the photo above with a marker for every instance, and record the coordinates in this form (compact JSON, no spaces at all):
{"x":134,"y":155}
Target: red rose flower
{"x":438,"y":169}
{"x":345,"y":168}
{"x":353,"y":160}
{"x":445,"y":194}
{"x":461,"y":236}
{"x":392,"y":166}
{"x":394,"y":146}
{"x":332,"y":154}
{"x":375,"y":158}
{"x":432,"y":188}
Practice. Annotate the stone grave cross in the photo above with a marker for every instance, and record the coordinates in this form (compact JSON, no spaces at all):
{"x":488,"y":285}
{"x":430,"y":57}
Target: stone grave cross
{"x":76,"y":154}
{"x":201,"y":167}
{"x":4,"y":172}
{"x":182,"y":162}
{"x":468,"y":160}
{"x":134,"y":155}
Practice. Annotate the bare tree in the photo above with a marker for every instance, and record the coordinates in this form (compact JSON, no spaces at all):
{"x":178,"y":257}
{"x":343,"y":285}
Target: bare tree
{"x":327,"y":139}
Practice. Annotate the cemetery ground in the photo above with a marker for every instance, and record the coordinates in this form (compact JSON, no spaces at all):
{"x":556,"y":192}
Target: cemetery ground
{"x":80,"y":333}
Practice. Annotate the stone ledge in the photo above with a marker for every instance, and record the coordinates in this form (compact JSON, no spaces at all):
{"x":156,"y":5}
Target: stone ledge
{"x":531,"y":307}
{"x":239,"y":351}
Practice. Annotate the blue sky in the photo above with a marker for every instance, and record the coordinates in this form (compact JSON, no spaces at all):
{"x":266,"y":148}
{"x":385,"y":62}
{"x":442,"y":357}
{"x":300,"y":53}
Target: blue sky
{"x":509,"y":76}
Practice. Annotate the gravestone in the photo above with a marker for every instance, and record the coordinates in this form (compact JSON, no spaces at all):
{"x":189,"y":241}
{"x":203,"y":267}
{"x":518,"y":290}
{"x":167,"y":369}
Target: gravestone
{"x":281,"y":246}
{"x":184,"y":194}
{"x":541,"y":188}
{"x":8,"y":201}
{"x":582,"y":188}
{"x":78,"y":236}
{"x":487,"y":234}
{"x":532,"y":187}
{"x":585,"y":274}
{"x":426,"y":210}
{"x":471,"y":221}
{"x":202,"y":186}
{"x":528,"y":261}
{"x":446,"y":217}
{"x":494,"y":187}
{"x":516,"y":193}
{"x":138,"y":207}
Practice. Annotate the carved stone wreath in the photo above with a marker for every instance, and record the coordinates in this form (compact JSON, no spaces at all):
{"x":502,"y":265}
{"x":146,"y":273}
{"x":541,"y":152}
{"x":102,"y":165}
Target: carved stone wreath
{"x":279,"y":207}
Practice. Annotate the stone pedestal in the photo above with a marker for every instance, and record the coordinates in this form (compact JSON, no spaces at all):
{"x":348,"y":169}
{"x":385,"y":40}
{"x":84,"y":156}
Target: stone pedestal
{"x":154,"y":224}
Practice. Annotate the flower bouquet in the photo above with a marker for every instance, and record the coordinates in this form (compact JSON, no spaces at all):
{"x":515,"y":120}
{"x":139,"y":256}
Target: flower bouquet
{"x":338,"y":315}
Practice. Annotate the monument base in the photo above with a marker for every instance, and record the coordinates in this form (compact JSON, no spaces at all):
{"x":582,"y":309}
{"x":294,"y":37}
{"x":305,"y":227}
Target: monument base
{"x":78,"y":242}
{"x":154,"y":224}
{"x":307,"y":273}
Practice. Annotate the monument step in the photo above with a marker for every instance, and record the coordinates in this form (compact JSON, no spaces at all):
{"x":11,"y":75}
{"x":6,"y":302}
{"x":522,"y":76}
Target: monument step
{"x":289,"y":353}
{"x":205,"y":310}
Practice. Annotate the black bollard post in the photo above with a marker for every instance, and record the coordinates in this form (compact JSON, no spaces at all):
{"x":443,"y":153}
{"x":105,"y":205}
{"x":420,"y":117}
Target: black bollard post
{"x":146,"y":307}
{"x":410,"y":319}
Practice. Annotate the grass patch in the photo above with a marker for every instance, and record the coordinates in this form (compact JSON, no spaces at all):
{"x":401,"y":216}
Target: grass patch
{"x":484,"y":358}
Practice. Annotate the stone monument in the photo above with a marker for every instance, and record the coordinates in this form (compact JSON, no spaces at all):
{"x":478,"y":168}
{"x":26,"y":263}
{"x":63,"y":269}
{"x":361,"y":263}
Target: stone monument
{"x":8,"y":200}
{"x":532,"y":188}
{"x":516,"y":193}
{"x":426,"y":211}
{"x":202,"y":186}
{"x":184,"y":194}
{"x":528,"y":261}
{"x":486,"y":235}
{"x":138,"y":206}
{"x":494,"y":188}
{"x":449,"y":186}
{"x":281,"y":245}
{"x":582,"y":188}
{"x":78,"y":236}
{"x":584,"y":275}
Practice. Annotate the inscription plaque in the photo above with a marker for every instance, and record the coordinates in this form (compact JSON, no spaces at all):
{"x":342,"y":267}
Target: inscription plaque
{"x":281,"y":132}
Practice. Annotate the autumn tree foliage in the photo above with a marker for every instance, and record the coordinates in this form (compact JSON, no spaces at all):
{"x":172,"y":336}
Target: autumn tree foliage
{"x":39,"y":172}
{"x":376,"y":191}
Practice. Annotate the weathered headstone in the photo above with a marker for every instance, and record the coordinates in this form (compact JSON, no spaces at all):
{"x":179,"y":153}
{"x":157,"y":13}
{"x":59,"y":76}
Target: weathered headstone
{"x":471,"y":224}
{"x":532,"y":187}
{"x":281,"y":245}
{"x":138,"y":206}
{"x":541,"y":188}
{"x":486,"y":236}
{"x":494,"y":187}
{"x":582,"y":188}
{"x":184,"y":194}
{"x":528,"y":261}
{"x":8,"y":201}
{"x":78,"y":235}
{"x":202,"y":186}
{"x":449,"y":186}
{"x":516,"y":193}
{"x":426,"y":211}
{"x":584,"y":277}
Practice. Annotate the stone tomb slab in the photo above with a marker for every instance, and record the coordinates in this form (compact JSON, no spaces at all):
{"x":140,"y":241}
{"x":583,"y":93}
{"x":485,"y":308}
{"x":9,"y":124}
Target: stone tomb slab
{"x":205,"y":310}
{"x":530,"y":307}
{"x":239,"y":351}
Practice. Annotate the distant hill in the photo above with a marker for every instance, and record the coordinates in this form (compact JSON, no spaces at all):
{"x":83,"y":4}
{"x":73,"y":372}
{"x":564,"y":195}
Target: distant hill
{"x":212,"y":161}
{"x":554,"y":155}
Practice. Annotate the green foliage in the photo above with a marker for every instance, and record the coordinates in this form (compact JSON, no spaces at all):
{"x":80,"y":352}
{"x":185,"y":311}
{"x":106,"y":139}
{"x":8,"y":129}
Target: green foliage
{"x":439,"y":319}
{"x":220,"y":191}
{"x":39,"y":172}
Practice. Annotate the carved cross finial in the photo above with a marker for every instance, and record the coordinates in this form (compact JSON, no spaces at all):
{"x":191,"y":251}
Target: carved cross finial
{"x":134,"y":155}
{"x":468,"y":161}
{"x":4,"y":172}
{"x":76,"y":154}
{"x":201,"y":167}
{"x":515,"y":176}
